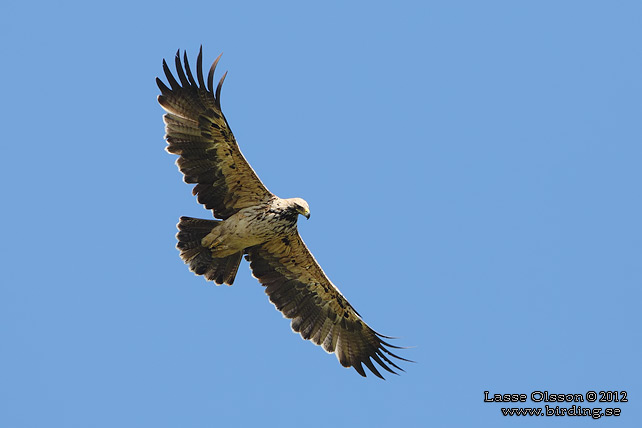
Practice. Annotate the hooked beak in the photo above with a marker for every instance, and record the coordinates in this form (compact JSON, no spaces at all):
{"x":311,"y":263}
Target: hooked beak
{"x":307,"y":216}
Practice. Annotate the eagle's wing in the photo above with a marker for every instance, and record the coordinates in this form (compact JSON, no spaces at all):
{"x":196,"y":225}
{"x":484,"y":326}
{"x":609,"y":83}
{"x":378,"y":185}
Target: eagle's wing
{"x":299,"y":288}
{"x":197,"y":131}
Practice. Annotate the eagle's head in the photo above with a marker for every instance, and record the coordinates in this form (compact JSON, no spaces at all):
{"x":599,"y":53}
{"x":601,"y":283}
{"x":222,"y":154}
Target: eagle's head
{"x":300,"y":206}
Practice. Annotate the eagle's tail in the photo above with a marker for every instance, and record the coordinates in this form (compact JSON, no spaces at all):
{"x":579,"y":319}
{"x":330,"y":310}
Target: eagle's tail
{"x":190,"y":233}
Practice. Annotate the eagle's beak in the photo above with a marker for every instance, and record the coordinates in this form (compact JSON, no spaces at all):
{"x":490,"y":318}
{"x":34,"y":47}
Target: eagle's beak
{"x":307,"y":216}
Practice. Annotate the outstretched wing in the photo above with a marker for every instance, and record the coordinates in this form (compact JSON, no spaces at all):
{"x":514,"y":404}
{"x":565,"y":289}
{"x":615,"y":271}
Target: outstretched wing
{"x":197,"y":131}
{"x":299,"y":288}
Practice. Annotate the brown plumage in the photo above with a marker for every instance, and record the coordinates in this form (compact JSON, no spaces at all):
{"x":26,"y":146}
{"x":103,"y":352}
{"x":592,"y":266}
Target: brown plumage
{"x":254,"y":222}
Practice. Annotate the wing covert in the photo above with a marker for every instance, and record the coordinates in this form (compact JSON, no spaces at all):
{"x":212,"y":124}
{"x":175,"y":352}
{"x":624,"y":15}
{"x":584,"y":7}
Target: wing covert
{"x":198,"y":132}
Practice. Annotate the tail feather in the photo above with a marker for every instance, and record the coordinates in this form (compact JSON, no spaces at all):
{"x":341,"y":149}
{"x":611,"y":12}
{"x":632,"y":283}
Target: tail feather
{"x":190,"y":233}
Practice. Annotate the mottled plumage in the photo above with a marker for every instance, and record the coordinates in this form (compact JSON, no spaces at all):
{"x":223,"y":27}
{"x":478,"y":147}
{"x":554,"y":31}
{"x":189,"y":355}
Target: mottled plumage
{"x":255,"y":223}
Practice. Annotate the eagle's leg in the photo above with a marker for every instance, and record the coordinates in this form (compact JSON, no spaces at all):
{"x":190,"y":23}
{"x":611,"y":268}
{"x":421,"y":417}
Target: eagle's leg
{"x":212,"y":240}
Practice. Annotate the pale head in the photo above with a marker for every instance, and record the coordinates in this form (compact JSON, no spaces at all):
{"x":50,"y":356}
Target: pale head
{"x":301,"y":206}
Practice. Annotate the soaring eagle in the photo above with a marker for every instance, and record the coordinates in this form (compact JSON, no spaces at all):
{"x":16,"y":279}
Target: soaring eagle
{"x":255,"y":223}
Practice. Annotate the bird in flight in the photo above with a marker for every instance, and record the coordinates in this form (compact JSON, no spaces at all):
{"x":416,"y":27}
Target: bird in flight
{"x":255,"y":223}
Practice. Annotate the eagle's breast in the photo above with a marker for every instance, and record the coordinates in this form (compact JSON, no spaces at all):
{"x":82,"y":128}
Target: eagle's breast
{"x":258,"y":224}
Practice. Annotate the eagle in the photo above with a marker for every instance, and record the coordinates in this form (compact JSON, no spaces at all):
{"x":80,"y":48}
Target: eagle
{"x":253,"y":222}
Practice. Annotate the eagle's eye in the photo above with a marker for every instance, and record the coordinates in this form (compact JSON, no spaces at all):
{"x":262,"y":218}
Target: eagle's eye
{"x":303,"y":211}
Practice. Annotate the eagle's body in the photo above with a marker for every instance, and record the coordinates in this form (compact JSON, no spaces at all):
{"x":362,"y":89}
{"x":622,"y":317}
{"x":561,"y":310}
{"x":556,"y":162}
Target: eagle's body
{"x":256,"y":223}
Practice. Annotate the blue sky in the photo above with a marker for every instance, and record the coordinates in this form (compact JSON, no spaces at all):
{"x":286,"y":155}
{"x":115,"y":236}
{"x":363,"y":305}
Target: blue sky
{"x":473,"y":172}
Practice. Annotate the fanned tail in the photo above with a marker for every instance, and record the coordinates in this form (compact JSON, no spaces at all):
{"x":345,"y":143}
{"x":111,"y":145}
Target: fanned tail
{"x":190,"y":233}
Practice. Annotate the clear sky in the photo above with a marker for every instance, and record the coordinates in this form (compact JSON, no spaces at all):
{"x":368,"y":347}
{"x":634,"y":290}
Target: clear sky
{"x":473,"y":172}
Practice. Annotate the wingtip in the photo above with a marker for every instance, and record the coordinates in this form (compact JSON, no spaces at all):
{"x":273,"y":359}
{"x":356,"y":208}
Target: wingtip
{"x":210,"y":76}
{"x":199,"y":68}
{"x":218,"y":90}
